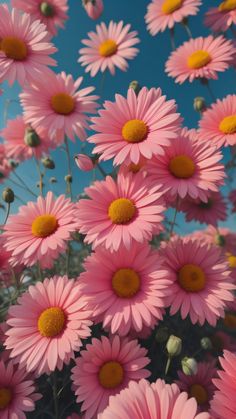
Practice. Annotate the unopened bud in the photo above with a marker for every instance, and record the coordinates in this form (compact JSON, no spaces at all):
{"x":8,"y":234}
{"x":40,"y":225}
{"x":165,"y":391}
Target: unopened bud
{"x":174,"y":345}
{"x":47,"y":9}
{"x":31,"y":138}
{"x":220,"y":240}
{"x":189,"y":366}
{"x":53,"y":180}
{"x":68,"y":179}
{"x":40,"y":184}
{"x":13,"y":163}
{"x":206,"y":343}
{"x":199,"y":104}
{"x":48,"y":163}
{"x":84,"y":162}
{"x":135,"y":86}
{"x":8,"y":195}
{"x":162,"y":334}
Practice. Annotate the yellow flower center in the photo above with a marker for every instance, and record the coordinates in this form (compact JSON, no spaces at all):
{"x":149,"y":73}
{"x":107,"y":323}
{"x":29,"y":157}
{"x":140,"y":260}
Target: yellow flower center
{"x":111,"y":374}
{"x":170,"y":6}
{"x":44,"y":225}
{"x":227,"y":6}
{"x":134,"y":131}
{"x":5,"y":397}
{"x":228,"y":125}
{"x":62,"y":103}
{"x":126,"y":283}
{"x":135,"y":168}
{"x":232,"y":261}
{"x":51,"y":322}
{"x":199,"y":392}
{"x":14,"y":48}
{"x":230,"y":320}
{"x":108,"y":48}
{"x":121,"y":211}
{"x":191,"y":278}
{"x":198,"y":59}
{"x":182,"y":167}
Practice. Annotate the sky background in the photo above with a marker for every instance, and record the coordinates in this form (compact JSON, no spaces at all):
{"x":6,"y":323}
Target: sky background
{"x":147,"y":68}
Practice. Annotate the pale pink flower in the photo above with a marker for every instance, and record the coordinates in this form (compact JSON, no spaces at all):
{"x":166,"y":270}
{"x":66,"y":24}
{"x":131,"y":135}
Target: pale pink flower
{"x":134,"y":168}
{"x":52,"y":13}
{"x":220,"y":18}
{"x":135,"y":127}
{"x":104,"y":369}
{"x":108,"y":48}
{"x":25,"y":47}
{"x":5,"y":167}
{"x":222,"y":237}
{"x":47,"y":324}
{"x":163,"y":14}
{"x":93,"y":8}
{"x":56,"y":103}
{"x":84,"y":162}
{"x":200,"y":58}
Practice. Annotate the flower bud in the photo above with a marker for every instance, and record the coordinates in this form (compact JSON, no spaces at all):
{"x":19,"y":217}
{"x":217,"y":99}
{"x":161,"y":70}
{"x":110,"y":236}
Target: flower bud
{"x":174,"y":345}
{"x":8,"y":195}
{"x":189,"y":366}
{"x":135,"y":86}
{"x":162,"y":334}
{"x":93,"y":8}
{"x":13,"y":163}
{"x":48,"y":163}
{"x":68,"y":179}
{"x":84,"y":162}
{"x":40,"y":184}
{"x":199,"y":104}
{"x":31,"y":138}
{"x":206,"y":343}
{"x":47,"y":9}
{"x":220,"y":240}
{"x":53,"y":180}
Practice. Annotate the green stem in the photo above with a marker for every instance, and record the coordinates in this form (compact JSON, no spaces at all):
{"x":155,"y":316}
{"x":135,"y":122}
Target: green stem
{"x":23,"y":183}
{"x":186,"y":27}
{"x":172,"y":38}
{"x":101,"y":170}
{"x":168,"y":364}
{"x":69,"y":189}
{"x":8,"y":212}
{"x":40,"y":177}
{"x":68,"y":261}
{"x":174,"y":219}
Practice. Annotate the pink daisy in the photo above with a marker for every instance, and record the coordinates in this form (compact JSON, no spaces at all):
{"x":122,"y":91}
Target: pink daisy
{"x":200,"y":384}
{"x":47,"y":324}
{"x":22,"y":142}
{"x":40,"y":231}
{"x":130,"y":288}
{"x":201,"y":283}
{"x":218,"y":123}
{"x":222,"y":237}
{"x":200,"y":58}
{"x":93,"y":8}
{"x":162,"y":14}
{"x":5,"y":167}
{"x":108,"y":48}
{"x":220,"y":18}
{"x":52,"y":13}
{"x":210,"y":212}
{"x":25,"y":47}
{"x":232,"y":199}
{"x":104,"y":369}
{"x":119,"y":213}
{"x":152,"y":401}
{"x":188,"y":167}
{"x":223,"y":404}
{"x":134,"y":168}
{"x":56,"y":103}
{"x":17,"y":392}
{"x":136,"y":127}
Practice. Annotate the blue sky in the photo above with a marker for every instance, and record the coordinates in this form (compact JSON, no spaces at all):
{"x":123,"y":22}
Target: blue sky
{"x":147,"y":68}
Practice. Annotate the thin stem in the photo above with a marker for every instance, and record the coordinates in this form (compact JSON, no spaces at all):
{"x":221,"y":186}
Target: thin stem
{"x":23,"y":183}
{"x":101,"y":170}
{"x":187,"y":28}
{"x":210,"y":92}
{"x":68,"y":260}
{"x":172,"y":38}
{"x":39,"y":272}
{"x":68,"y":182}
{"x":19,"y":199}
{"x":168,"y":364}
{"x":174,"y":219}
{"x":55,"y":398}
{"x":8,"y":212}
{"x":40,"y":177}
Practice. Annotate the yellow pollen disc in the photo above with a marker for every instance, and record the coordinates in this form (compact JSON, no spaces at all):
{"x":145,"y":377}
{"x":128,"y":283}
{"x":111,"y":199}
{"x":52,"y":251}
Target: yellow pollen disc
{"x":134,"y":131}
{"x":14,"y":48}
{"x":44,"y":225}
{"x":108,"y":48}
{"x":198,"y":59}
{"x":182,"y":167}
{"x":191,"y":278}
{"x":170,"y":6}
{"x":228,"y":125}
{"x":230,"y":320}
{"x":51,"y":322}
{"x":199,"y":392}
{"x":227,"y":6}
{"x":111,"y":374}
{"x":126,"y":283}
{"x":121,"y":211}
{"x":62,"y":103}
{"x":5,"y":397}
{"x":232,"y":261}
{"x":134,"y":168}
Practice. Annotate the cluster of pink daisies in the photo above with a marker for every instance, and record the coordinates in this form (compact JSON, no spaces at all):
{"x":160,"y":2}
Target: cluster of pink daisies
{"x":105,"y":309}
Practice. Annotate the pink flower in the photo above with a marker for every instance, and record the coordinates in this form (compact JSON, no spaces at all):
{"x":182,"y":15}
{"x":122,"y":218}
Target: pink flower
{"x":108,"y":48}
{"x":47,"y":324}
{"x":5,"y":167}
{"x":56,"y":103}
{"x":52,"y":13}
{"x":232,"y":199}
{"x":222,"y":237}
{"x":120,"y":213}
{"x":84,"y":162}
{"x":220,"y":18}
{"x":94,"y":8}
{"x":136,"y":127}
{"x":201,"y":283}
{"x":40,"y":231}
{"x":25,"y":47}
{"x":162,"y":14}
{"x":224,"y":403}
{"x":104,"y":369}
{"x":152,"y":401}
{"x":200,"y":58}
{"x":187,"y":167}
{"x":218,"y":123}
{"x":74,"y":416}
{"x":130,"y":289}
{"x":22,"y":142}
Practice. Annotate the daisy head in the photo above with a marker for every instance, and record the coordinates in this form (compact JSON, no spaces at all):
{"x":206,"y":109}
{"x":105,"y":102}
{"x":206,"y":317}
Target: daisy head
{"x":104,"y":369}
{"x":40,"y":231}
{"x":224,"y":238}
{"x":5,"y":167}
{"x":218,"y":123}
{"x":56,"y":103}
{"x":108,"y":47}
{"x":25,"y":47}
{"x":220,"y":18}
{"x":52,"y":12}
{"x":93,"y":8}
{"x":163,"y":14}
{"x":201,"y":283}
{"x":200,"y":58}
{"x":47,"y":324}
{"x":120,"y":212}
{"x":135,"y":127}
